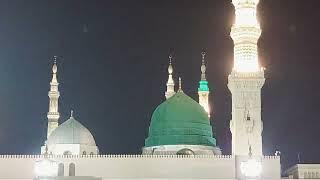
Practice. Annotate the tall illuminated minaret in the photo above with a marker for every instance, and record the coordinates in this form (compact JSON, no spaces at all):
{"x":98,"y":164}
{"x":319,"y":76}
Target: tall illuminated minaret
{"x":203,"y":90}
{"x":246,"y":81}
{"x":170,"y":83}
{"x":53,"y":114}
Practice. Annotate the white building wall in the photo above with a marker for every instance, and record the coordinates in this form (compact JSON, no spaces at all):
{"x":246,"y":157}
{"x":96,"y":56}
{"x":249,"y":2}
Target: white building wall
{"x":304,"y":171}
{"x":140,"y":167}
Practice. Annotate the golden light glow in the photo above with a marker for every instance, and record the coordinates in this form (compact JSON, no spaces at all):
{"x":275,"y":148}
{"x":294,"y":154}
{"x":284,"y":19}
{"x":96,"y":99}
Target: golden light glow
{"x":203,"y":101}
{"x":245,"y":34}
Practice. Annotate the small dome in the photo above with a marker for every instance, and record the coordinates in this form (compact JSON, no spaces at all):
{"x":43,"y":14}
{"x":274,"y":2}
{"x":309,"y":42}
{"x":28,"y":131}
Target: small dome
{"x":180,"y":120}
{"x":71,"y":132}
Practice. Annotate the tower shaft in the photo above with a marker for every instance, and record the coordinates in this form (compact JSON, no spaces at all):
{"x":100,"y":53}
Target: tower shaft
{"x":245,"y":81}
{"x":53,"y":114}
{"x":170,"y":87}
{"x":204,"y":101}
{"x":246,"y":125}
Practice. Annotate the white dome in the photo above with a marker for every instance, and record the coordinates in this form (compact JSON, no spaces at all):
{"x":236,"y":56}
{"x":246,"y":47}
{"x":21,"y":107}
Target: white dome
{"x":71,"y":132}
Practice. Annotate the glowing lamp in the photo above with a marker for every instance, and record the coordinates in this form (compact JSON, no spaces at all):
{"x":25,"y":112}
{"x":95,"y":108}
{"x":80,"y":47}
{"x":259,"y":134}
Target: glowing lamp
{"x":45,"y":168}
{"x":251,"y":168}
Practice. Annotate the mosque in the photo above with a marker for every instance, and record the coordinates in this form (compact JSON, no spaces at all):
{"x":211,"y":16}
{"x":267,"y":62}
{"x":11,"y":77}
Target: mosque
{"x":180,"y":143}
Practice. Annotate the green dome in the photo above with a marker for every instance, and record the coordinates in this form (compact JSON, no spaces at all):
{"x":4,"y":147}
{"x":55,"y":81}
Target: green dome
{"x":180,"y":121}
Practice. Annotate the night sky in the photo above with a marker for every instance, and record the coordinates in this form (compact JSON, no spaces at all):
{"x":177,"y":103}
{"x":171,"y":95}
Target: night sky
{"x":114,"y":61}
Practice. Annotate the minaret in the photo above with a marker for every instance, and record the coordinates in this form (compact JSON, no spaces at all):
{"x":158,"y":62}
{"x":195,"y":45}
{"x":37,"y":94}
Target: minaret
{"x":203,"y":90}
{"x":170,"y":83}
{"x":246,"y":80}
{"x":53,"y":114}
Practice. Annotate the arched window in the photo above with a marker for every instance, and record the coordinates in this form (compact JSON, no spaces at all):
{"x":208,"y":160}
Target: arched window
{"x":61,"y":169}
{"x":72,"y":169}
{"x":91,"y":153}
{"x":84,"y":153}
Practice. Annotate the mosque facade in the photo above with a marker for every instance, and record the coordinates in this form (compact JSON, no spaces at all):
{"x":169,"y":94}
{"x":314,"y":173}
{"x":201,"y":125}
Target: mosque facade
{"x":180,"y":143}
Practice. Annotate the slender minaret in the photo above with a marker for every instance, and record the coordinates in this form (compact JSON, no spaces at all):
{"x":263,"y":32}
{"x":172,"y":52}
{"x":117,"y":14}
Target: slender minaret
{"x":53,"y":114}
{"x":203,"y":90}
{"x":170,"y":83}
{"x":246,"y":81}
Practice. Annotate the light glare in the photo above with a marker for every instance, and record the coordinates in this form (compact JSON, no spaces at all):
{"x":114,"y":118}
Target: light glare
{"x":46,"y":168}
{"x":251,"y":168}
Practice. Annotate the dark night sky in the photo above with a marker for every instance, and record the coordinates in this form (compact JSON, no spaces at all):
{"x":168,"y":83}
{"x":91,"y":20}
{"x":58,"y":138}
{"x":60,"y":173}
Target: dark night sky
{"x":113,"y":71}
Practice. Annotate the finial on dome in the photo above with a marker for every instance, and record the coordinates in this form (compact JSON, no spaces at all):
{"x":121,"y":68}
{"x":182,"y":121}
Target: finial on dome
{"x":180,"y":85}
{"x":71,"y":114}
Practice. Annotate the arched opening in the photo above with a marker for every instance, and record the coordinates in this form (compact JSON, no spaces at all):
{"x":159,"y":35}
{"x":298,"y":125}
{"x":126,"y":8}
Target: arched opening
{"x":61,"y":169}
{"x":185,"y":152}
{"x":91,"y":153}
{"x":72,"y":169}
{"x":84,"y":153}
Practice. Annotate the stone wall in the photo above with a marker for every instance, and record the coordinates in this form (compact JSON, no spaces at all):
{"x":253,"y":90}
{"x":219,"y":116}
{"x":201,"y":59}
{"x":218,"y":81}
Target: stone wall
{"x":137,"y":166}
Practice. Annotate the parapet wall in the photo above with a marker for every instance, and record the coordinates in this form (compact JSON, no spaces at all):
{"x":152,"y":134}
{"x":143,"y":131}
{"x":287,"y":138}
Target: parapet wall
{"x":125,"y":156}
{"x":131,"y":166}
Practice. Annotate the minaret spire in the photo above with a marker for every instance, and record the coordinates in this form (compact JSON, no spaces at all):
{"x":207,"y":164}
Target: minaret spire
{"x":203,"y":90}
{"x":180,"y":85}
{"x":53,"y":114}
{"x":170,"y":83}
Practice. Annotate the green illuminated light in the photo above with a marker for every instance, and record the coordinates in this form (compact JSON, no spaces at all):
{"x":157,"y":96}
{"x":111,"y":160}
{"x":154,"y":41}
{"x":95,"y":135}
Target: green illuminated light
{"x":203,"y":86}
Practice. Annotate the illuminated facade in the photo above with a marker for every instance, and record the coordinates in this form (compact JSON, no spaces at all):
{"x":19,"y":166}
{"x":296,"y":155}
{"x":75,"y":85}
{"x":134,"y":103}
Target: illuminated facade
{"x":245,"y":34}
{"x":180,"y":142}
{"x":245,"y":81}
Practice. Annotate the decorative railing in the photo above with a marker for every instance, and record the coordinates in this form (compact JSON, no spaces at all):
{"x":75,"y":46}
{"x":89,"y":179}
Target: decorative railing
{"x":125,"y":156}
